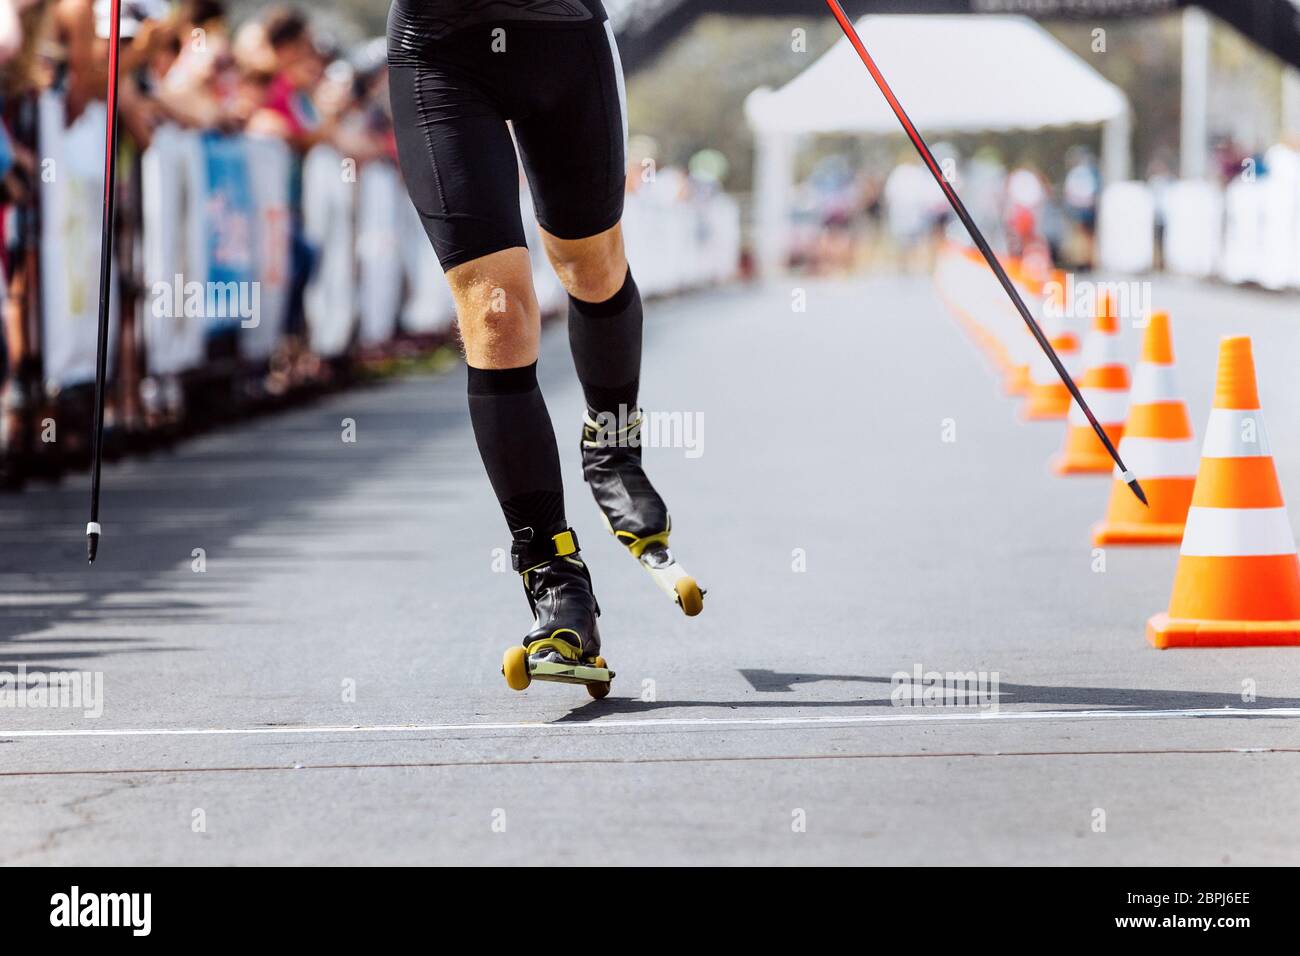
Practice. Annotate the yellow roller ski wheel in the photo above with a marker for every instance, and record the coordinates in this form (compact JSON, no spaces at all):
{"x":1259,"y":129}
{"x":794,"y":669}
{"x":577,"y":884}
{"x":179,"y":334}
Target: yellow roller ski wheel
{"x":599,"y":691}
{"x":515,"y":668}
{"x":688,"y":596}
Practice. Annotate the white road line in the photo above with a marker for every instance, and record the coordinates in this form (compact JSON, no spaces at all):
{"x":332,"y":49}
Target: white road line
{"x":653,"y":723}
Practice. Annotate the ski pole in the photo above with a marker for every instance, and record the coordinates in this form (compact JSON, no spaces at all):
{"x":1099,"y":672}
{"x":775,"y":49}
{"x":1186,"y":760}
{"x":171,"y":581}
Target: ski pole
{"x":960,"y":209}
{"x":93,"y":529}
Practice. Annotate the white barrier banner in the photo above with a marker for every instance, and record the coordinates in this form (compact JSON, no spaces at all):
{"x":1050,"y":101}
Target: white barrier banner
{"x":1193,"y":228}
{"x":174,"y":246}
{"x":676,"y":245}
{"x":72,"y":211}
{"x":218,"y":251}
{"x":269,"y":166}
{"x":1280,"y":183}
{"x":329,"y":225}
{"x":1126,"y":226}
{"x":1243,"y":230}
{"x":429,"y":307}
{"x":378,"y":252}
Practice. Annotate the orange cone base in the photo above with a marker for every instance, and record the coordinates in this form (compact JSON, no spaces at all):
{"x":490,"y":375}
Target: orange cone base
{"x":999,"y":359}
{"x":1164,"y":631}
{"x":1078,"y":465}
{"x":1084,"y":454}
{"x":1160,"y":521}
{"x":1046,"y":409}
{"x":1125,"y":532}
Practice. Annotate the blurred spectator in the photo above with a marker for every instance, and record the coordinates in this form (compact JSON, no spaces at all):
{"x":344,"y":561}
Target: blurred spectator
{"x":196,"y":68}
{"x":1230,"y":157}
{"x":1027,"y":193}
{"x":1160,"y":177}
{"x":86,"y":75}
{"x":983,"y":189}
{"x":303,"y":111}
{"x":708,"y":169}
{"x":11,"y":28}
{"x":1052,"y":225}
{"x":1081,"y":192}
{"x":374,"y":108}
{"x":25,"y":26}
{"x":909,"y":207}
{"x":290,"y":112}
{"x":834,"y":195}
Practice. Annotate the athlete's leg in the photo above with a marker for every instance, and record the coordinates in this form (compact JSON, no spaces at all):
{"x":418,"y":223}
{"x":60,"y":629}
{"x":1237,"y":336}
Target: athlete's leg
{"x":499,"y":324}
{"x":496,"y":309}
{"x":460,"y":169}
{"x":593,"y":268}
{"x":605,"y":338}
{"x":459,"y":164}
{"x":604,"y":319}
{"x":573,"y":148}
{"x":573,"y":151}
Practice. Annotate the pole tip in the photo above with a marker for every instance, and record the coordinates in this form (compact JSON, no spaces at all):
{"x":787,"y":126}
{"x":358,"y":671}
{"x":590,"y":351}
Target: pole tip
{"x":1132,"y":482}
{"x":93,"y":531}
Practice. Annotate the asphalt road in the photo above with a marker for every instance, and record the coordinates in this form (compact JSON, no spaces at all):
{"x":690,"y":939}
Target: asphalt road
{"x":326,"y":689}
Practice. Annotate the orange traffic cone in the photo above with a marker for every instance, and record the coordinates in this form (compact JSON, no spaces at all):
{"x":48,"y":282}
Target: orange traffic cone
{"x":962,"y":280}
{"x":990,"y":316}
{"x":1015,"y":380}
{"x":1105,"y":389}
{"x":1238,"y":578}
{"x":1158,"y":447}
{"x":1058,"y":286}
{"x":1048,"y":397}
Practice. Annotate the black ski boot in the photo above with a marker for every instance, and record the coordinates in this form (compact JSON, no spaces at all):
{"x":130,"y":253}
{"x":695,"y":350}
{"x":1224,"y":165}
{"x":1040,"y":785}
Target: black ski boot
{"x":564,"y":644}
{"x":633,"y":510}
{"x":558,"y":586}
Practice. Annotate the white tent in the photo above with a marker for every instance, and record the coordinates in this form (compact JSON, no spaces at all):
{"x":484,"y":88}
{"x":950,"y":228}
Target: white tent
{"x":953,"y":74}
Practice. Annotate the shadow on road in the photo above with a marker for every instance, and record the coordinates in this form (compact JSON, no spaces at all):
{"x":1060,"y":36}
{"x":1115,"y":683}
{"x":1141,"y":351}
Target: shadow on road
{"x":1118,"y":699}
{"x":215,"y":493}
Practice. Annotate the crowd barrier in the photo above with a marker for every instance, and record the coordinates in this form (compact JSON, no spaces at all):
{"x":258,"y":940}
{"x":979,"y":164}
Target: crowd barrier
{"x":375,"y":272}
{"x":1126,"y":228}
{"x":216,"y":255}
{"x":1246,"y":232}
{"x":217,"y":211}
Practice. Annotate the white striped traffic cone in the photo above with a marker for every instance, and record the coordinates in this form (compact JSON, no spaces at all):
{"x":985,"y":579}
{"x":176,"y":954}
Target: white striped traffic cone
{"x":1238,"y":578}
{"x":1158,"y":447}
{"x":1105,"y":389}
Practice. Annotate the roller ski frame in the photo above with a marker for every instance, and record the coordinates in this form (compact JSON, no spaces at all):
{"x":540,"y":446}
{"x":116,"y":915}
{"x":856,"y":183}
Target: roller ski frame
{"x":653,"y":554}
{"x":612,"y":468}
{"x":523,"y":665}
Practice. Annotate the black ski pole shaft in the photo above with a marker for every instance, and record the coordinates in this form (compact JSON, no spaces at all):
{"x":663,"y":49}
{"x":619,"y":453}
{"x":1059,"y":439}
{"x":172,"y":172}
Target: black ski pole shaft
{"x":978,"y":237}
{"x":93,"y":529}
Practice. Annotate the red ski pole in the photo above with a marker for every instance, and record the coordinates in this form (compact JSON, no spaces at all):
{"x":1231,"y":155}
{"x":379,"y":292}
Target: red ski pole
{"x":960,"y":209}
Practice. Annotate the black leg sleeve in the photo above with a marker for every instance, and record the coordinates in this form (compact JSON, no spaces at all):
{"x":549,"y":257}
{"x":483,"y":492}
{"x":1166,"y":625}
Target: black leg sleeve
{"x":605,"y":338}
{"x":517,"y":445}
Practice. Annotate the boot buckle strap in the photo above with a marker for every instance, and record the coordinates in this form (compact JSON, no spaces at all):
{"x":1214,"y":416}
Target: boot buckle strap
{"x":526,"y":555}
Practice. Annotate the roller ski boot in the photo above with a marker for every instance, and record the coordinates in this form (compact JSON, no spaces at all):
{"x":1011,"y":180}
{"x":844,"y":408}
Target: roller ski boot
{"x":633,"y":511}
{"x":564,"y":644}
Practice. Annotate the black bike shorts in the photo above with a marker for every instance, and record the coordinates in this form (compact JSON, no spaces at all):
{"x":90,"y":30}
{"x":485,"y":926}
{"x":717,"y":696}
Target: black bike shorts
{"x":458,"y":72}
